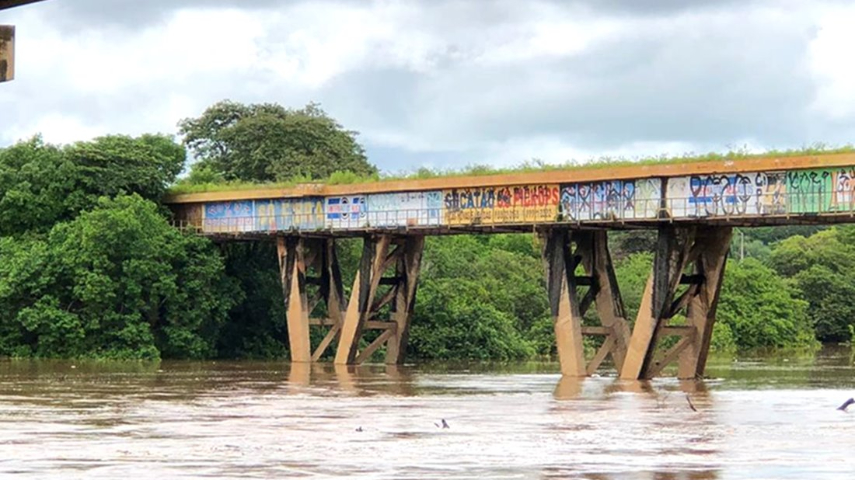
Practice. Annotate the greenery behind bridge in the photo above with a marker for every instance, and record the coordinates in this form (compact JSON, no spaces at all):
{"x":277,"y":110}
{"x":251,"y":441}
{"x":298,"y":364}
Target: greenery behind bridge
{"x":90,"y":267}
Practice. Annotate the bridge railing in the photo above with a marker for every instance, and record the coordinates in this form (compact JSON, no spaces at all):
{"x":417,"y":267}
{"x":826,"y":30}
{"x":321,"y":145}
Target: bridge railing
{"x":614,"y":210}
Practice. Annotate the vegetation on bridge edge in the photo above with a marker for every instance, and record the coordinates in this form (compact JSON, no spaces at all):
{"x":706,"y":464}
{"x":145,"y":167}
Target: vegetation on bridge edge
{"x":190,"y":184}
{"x":90,"y":267}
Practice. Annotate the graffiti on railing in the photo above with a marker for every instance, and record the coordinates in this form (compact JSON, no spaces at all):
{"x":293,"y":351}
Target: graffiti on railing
{"x":288,"y":213}
{"x":760,"y":194}
{"x":770,"y":193}
{"x":404,"y":209}
{"x":345,"y":212}
{"x":237,"y":216}
{"x":809,"y":191}
{"x":843,"y":180}
{"x":611,"y":200}
{"x":497,"y":205}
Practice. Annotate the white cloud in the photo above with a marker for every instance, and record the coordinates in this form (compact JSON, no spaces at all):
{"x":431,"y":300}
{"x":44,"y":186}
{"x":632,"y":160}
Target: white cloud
{"x":480,"y":82}
{"x":832,"y":63}
{"x":59,"y":128}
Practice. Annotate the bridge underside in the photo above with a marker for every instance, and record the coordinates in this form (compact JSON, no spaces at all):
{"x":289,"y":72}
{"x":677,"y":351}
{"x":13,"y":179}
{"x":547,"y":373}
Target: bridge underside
{"x":674,"y":322}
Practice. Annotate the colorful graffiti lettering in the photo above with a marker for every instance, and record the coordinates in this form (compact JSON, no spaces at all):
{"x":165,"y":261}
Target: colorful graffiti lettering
{"x":711,"y":195}
{"x":843,"y":196}
{"x":287,"y":214}
{"x":229,"y":216}
{"x":716,"y":195}
{"x":809,"y":191}
{"x":404,"y":209}
{"x":470,"y":198}
{"x":345,"y":212}
{"x":770,"y":193}
{"x":511,"y":204}
{"x":610,"y":200}
{"x":696,"y":196}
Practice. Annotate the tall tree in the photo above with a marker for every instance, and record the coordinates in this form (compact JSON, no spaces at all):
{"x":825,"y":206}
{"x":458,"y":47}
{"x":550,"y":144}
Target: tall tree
{"x":268,"y":142}
{"x":41,"y":184}
{"x":821,"y":266}
{"x":115,"y":282}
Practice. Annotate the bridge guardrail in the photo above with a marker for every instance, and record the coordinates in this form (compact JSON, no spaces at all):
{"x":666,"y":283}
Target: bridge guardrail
{"x":609,"y":211}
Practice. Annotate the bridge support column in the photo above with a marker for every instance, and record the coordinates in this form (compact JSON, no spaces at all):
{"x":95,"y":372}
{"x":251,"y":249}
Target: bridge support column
{"x":407,"y":276}
{"x":568,"y":307}
{"x":703,"y":250}
{"x":296,"y":257}
{"x":367,"y":302}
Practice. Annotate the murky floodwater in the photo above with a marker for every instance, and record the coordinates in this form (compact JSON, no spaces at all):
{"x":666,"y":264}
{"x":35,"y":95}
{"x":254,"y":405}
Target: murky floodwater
{"x":772,"y":418}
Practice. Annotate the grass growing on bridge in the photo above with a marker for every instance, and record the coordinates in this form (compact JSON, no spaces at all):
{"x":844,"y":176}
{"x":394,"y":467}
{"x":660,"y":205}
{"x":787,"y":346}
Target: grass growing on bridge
{"x":423,"y":173}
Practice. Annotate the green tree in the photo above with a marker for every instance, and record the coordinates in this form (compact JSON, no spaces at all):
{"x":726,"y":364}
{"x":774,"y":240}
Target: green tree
{"x":257,"y":325}
{"x":760,"y":309}
{"x":267,"y":142}
{"x":116,"y":282}
{"x":480,"y":297}
{"x":41,"y":184}
{"x":820,"y":266}
{"x":632,"y":274}
{"x":455,"y":319}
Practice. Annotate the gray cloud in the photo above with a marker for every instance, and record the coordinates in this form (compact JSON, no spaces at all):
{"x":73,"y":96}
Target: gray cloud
{"x":82,"y":15}
{"x":709,"y":83}
{"x":457,"y":80}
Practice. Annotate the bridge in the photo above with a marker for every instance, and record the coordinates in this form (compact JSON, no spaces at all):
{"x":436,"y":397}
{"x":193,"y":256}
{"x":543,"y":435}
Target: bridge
{"x":693,"y":207}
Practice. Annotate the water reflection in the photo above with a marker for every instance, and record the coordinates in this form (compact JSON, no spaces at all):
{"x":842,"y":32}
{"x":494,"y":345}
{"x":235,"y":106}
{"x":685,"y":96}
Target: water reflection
{"x":677,"y":475}
{"x":355,"y":380}
{"x":272,"y":420}
{"x":569,"y":388}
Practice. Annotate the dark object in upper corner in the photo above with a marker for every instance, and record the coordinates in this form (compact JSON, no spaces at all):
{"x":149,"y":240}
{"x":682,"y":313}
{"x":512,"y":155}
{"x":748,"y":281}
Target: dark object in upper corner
{"x":4,"y":4}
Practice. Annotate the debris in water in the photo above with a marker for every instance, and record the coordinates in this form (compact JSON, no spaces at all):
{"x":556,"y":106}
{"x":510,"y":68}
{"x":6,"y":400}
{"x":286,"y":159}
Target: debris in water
{"x":846,"y":404}
{"x":689,"y":399}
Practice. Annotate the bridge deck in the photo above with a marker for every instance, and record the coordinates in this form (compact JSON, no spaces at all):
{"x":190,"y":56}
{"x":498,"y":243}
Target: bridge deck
{"x":685,"y":280}
{"x":751,"y":192}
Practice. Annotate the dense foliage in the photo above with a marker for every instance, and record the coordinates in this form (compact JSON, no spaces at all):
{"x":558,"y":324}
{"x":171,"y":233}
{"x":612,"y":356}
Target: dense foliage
{"x":118,"y":281}
{"x":820,"y":267}
{"x":43,"y":184}
{"x":267,"y":142}
{"x":90,"y":266}
{"x":479,"y":297}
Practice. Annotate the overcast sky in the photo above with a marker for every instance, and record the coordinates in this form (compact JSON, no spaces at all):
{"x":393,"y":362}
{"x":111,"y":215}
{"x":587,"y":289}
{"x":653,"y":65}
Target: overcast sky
{"x":447,"y":83}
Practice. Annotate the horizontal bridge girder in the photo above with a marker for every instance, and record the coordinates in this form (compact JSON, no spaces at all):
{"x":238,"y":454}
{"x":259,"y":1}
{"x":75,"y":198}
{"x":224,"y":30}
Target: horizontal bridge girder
{"x":674,"y":330}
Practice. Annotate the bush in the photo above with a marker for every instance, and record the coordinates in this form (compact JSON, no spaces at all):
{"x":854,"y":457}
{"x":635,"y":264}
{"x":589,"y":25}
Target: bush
{"x":761,"y":309}
{"x":116,"y":282}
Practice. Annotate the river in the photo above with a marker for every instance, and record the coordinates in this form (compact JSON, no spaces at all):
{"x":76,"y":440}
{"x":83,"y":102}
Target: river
{"x":757,"y":418}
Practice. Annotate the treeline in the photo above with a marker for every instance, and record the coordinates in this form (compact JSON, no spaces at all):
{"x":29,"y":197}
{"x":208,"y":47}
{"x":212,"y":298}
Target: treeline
{"x":90,"y":266}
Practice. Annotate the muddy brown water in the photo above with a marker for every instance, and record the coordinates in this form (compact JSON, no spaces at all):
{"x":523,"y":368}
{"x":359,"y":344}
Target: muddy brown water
{"x":757,"y":418}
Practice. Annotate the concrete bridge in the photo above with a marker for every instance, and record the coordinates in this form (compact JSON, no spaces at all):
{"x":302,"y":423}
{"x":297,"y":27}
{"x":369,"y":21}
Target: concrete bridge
{"x":693,"y":206}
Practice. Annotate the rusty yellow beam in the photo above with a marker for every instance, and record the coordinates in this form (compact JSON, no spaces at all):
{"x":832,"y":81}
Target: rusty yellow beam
{"x":594,"y":174}
{"x":7,"y":53}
